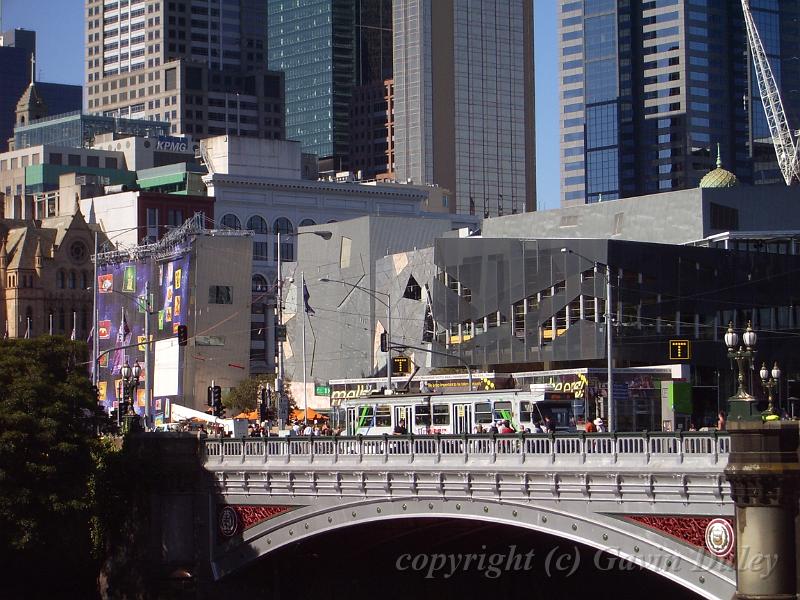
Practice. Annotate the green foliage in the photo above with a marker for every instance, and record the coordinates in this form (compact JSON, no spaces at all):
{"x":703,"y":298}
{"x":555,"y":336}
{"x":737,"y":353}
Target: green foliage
{"x":46,"y":443}
{"x":244,"y":397}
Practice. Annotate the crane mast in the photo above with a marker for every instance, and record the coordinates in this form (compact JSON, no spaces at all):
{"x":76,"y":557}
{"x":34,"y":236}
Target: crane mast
{"x":785,"y":145}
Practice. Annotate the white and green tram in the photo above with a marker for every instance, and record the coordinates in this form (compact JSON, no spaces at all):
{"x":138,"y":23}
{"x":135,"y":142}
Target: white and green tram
{"x":456,"y":413}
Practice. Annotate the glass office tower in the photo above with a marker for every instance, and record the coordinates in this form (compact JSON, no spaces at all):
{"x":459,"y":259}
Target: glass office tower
{"x":648,"y":88}
{"x":312,"y":43}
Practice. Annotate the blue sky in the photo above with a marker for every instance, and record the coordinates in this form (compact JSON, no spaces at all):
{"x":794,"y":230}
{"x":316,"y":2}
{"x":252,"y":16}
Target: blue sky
{"x":59,"y":32}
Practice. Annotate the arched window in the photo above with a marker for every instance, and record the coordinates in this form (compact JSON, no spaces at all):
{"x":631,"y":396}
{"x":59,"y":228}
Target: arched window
{"x":284,"y":227}
{"x":73,"y":280}
{"x":259,"y":283}
{"x":307,"y":222}
{"x":61,"y":280}
{"x":231,"y":222}
{"x":259,"y":226}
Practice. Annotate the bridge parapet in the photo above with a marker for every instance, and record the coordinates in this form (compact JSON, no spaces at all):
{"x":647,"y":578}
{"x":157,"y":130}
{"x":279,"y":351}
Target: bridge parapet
{"x":634,"y":450}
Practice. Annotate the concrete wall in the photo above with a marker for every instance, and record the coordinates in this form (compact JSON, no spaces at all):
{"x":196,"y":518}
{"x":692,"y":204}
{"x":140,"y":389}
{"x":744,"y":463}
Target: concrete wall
{"x":226,"y":364}
{"x":234,"y":155}
{"x":670,"y":218}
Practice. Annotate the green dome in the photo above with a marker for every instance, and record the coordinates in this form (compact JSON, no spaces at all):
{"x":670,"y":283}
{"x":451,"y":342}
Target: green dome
{"x":719,"y":177}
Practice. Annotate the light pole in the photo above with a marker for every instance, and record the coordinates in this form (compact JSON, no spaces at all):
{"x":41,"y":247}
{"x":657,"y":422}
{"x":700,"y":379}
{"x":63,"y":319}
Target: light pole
{"x":388,"y":305}
{"x":130,"y":381}
{"x":612,"y":410}
{"x":279,"y":391}
{"x":742,"y":405}
{"x":769,"y":380}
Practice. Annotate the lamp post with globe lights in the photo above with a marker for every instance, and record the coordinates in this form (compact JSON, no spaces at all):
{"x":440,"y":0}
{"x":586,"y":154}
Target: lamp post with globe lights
{"x":742,"y":405}
{"x":769,"y":380}
{"x":130,"y":381}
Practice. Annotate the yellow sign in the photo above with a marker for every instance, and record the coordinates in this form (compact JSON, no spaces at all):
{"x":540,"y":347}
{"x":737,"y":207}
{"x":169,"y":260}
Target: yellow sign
{"x":401,"y":364}
{"x":680,"y":350}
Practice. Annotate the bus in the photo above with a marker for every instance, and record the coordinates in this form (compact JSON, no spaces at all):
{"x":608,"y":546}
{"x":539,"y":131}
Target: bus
{"x":457,"y":413}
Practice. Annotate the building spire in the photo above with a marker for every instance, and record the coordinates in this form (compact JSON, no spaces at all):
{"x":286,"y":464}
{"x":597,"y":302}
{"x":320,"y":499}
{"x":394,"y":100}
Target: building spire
{"x":719,"y":157}
{"x":33,"y":67}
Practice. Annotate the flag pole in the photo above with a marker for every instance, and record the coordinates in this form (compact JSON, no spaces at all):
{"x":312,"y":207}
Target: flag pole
{"x":304,"y":310}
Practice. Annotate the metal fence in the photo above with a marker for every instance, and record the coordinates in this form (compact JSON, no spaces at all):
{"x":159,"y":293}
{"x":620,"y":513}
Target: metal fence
{"x":627,"y":448}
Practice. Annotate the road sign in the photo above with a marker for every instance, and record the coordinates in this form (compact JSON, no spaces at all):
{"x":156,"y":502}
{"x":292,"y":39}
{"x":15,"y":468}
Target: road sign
{"x":280,"y":333}
{"x":401,"y":364}
{"x":322,"y":390}
{"x":680,"y":350}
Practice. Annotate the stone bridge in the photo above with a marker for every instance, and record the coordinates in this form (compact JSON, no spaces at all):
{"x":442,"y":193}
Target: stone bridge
{"x":657,"y":500}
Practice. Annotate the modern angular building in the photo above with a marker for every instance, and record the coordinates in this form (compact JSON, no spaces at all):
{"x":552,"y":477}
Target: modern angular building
{"x":200,"y":65}
{"x":464,"y":105}
{"x":649,"y":89}
{"x":336,"y":55}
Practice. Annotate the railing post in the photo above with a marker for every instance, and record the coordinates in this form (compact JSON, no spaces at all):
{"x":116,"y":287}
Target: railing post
{"x":494,"y":447}
{"x":335,"y":448}
{"x":438,"y":442}
{"x":465,"y":447}
{"x":360,"y":442}
{"x":413,"y":448}
{"x":385,"y":447}
{"x":311,"y":448}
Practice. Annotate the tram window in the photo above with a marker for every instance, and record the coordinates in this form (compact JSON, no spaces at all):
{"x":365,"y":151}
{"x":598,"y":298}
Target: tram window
{"x":383,"y":416}
{"x":525,"y":411}
{"x":502,"y":410}
{"x":483,"y":412}
{"x":441,"y":414}
{"x":366,"y":414}
{"x":422,"y":415}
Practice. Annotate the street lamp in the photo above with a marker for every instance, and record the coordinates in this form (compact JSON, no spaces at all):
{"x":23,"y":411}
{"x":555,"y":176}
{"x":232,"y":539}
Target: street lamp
{"x":612,"y":411}
{"x":130,"y":381}
{"x":742,"y":405}
{"x":279,"y":392}
{"x":388,"y":305}
{"x":769,"y":380}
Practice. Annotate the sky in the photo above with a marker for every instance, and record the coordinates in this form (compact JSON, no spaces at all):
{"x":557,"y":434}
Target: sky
{"x":60,"y":38}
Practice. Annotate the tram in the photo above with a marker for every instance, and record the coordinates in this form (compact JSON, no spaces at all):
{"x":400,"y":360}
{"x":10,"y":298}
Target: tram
{"x":457,"y":413}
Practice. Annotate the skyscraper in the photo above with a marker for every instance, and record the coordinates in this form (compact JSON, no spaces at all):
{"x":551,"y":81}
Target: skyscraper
{"x":464,"y":104}
{"x":336,"y":55}
{"x":200,"y":64}
{"x":648,"y":89}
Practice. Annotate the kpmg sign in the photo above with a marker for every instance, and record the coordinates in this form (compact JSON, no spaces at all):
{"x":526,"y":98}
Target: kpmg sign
{"x":172,"y":144}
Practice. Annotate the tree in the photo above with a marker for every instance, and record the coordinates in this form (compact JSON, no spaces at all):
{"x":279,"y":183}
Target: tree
{"x":244,"y":397}
{"x":46,"y":445}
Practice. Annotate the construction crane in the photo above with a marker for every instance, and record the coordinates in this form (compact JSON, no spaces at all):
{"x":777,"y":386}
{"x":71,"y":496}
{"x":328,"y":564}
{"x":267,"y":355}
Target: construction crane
{"x":786,"y":146}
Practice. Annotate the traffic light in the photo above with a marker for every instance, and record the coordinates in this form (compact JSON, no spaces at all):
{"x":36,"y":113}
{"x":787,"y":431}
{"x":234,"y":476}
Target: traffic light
{"x":210,"y":397}
{"x":384,"y":342}
{"x":183,"y":335}
{"x":216,"y":398}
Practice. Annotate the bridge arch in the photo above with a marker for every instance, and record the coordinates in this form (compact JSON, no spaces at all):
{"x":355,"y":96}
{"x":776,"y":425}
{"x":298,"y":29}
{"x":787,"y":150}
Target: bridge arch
{"x":688,"y":566}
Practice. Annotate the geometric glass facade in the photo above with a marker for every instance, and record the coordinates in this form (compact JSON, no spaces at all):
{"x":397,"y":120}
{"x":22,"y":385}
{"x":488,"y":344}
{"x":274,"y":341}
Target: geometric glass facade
{"x":648,"y":89}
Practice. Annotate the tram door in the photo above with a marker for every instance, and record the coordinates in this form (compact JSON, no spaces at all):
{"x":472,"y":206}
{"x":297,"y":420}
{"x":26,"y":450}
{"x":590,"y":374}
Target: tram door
{"x":403,"y":413}
{"x":352,"y":420}
{"x":462,"y":418}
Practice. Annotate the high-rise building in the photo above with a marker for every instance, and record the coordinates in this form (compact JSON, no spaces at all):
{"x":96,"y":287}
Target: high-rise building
{"x":464,"y":101}
{"x":200,"y":65}
{"x":17,"y":52}
{"x":648,"y":90}
{"x":336,"y":54}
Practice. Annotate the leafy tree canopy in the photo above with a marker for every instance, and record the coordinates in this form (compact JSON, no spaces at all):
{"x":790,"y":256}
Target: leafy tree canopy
{"x":46,"y":446}
{"x":244,"y":397}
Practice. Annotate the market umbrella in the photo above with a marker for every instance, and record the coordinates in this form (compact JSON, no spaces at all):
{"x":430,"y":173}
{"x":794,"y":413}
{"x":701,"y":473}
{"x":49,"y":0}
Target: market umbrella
{"x":312,"y":414}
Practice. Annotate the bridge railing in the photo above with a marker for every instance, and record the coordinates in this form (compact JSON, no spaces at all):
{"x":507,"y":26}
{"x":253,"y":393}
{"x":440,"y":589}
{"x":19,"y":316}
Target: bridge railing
{"x":631,"y":449}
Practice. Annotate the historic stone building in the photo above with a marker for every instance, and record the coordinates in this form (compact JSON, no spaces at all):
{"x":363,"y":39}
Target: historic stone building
{"x":46,"y":277}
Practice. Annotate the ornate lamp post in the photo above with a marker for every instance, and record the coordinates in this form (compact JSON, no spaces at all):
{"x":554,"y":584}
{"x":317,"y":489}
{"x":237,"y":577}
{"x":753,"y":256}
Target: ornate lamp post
{"x":130,"y":381}
{"x":742,"y":405}
{"x":769,"y":380}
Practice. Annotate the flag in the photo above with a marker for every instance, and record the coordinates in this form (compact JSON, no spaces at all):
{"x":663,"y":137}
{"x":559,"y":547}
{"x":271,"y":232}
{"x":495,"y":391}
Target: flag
{"x":306,"y":297}
{"x":28,"y":330}
{"x":123,"y":337}
{"x":5,"y":335}
{"x":91,"y":335}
